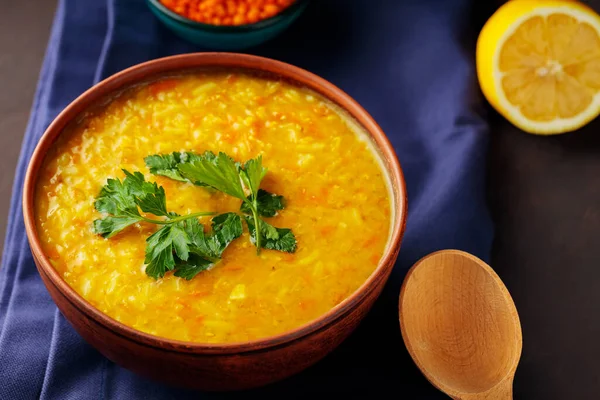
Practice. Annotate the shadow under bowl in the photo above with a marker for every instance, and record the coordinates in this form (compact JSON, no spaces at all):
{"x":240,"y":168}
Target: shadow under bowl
{"x":205,"y":366}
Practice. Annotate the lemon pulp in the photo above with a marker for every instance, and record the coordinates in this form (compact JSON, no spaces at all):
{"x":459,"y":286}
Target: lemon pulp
{"x":550,"y":67}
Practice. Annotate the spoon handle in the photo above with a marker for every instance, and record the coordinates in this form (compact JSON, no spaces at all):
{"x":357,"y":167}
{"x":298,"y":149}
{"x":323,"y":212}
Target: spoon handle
{"x":502,"y":391}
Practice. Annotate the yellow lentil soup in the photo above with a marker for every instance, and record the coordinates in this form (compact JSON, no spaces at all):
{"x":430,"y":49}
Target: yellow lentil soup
{"x":337,"y":204}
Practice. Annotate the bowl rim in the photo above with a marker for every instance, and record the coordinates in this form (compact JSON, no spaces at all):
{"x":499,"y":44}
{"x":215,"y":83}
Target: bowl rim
{"x":217,"y":60}
{"x":264,"y":23}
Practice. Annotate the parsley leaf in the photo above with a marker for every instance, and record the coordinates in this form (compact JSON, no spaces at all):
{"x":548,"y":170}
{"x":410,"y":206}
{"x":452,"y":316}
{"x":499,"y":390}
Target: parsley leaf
{"x":180,"y":241}
{"x":159,"y":253}
{"x":185,"y":248}
{"x":202,"y":245}
{"x":148,"y":196}
{"x":168,"y":164}
{"x":267,"y":204}
{"x":273,"y":238}
{"x":192,"y":267}
{"x":220,"y":172}
{"x":109,"y":226}
{"x":253,"y":174}
{"x":195,"y":231}
{"x":207,"y":249}
{"x":225,"y":228}
{"x":115,"y":198}
{"x":165,"y":165}
{"x":160,"y":247}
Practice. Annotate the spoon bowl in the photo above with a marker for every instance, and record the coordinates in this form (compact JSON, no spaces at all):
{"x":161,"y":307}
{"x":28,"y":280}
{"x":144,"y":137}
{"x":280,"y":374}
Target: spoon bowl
{"x":461,"y":326}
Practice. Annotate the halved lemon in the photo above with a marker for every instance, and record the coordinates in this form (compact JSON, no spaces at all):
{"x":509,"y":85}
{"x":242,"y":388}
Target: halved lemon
{"x":538,"y":64}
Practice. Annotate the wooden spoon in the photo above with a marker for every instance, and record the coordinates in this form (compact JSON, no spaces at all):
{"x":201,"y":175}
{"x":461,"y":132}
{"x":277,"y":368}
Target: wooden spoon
{"x":460,"y":326}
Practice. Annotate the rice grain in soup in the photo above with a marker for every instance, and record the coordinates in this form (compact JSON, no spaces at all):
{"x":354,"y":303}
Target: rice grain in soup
{"x":338,"y":206}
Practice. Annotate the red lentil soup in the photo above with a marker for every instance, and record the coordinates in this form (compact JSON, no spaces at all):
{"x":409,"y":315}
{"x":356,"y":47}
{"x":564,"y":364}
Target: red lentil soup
{"x":338,"y":206}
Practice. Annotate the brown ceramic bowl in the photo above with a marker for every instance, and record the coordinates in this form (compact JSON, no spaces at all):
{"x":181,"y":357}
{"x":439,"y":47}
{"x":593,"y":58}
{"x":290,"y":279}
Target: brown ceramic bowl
{"x":215,"y":366}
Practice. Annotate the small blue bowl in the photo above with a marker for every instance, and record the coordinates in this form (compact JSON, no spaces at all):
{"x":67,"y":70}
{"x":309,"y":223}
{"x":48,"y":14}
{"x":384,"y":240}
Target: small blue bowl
{"x":220,"y":37}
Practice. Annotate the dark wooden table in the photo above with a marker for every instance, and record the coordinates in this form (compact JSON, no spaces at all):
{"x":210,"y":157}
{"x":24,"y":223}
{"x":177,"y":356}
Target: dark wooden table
{"x":544,"y":194}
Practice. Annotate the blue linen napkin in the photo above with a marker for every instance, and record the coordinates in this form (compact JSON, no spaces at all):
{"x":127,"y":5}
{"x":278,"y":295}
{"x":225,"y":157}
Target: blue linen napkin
{"x":407,"y":62}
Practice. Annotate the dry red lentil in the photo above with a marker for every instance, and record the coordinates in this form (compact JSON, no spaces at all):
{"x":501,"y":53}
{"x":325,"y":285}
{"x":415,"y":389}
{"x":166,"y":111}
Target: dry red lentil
{"x":227,"y":12}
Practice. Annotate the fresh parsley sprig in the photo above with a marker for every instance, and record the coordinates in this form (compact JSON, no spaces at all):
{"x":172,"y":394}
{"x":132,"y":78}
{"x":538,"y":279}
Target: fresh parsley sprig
{"x":180,"y":244}
{"x":185,"y":248}
{"x":207,"y":249}
{"x":222,"y":173}
{"x":121,"y":201}
{"x":267,"y":204}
